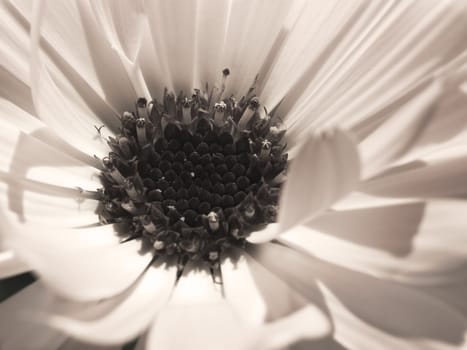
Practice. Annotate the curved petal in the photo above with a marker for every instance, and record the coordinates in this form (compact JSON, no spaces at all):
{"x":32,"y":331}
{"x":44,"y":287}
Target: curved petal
{"x":67,"y":116}
{"x":122,"y":23}
{"x":284,"y":332}
{"x":140,"y":305}
{"x":18,"y":330}
{"x":430,"y":246}
{"x":441,"y":174}
{"x":393,"y":308}
{"x":241,"y":290}
{"x":348,"y":325}
{"x":57,"y":254}
{"x":293,"y":270}
{"x":77,"y":52}
{"x":398,"y":133}
{"x":10,"y":265}
{"x":370,"y":70}
{"x":331,"y":160}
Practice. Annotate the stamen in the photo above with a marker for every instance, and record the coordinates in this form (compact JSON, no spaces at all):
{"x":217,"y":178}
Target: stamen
{"x":219,"y":108}
{"x":141,"y":132}
{"x":141,"y":109}
{"x":213,"y":221}
{"x":186,"y":111}
{"x":248,"y":114}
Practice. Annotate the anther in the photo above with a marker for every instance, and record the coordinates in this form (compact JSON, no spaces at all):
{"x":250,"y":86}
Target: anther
{"x":131,"y":190}
{"x":141,"y":132}
{"x":186,"y":111}
{"x":159,"y":245}
{"x":265,"y":149}
{"x":213,"y":255}
{"x":148,"y":224}
{"x":129,"y":206}
{"x":116,"y":175}
{"x":125,"y":147}
{"x":141,"y":105}
{"x":249,"y":211}
{"x":219,"y":109}
{"x":213,"y":220}
{"x":248,"y":114}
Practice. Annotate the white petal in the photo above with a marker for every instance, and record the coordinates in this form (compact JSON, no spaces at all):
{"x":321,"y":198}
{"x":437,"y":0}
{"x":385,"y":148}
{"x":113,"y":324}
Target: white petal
{"x":253,"y":29}
{"x":241,"y":289}
{"x":122,"y":23}
{"x":314,"y":31}
{"x":371,"y":67}
{"x":441,"y":174}
{"x":207,"y":326}
{"x":211,"y":26}
{"x":280,"y":298}
{"x":398,"y":133}
{"x":202,"y":319}
{"x":297,"y":326}
{"x":76,"y":51}
{"x":389,"y":306}
{"x":140,"y":305}
{"x":356,"y":333}
{"x":293,"y":269}
{"x":18,"y":330}
{"x":24,"y":155}
{"x":57,"y":254}
{"x":66,"y":116}
{"x":173,"y":32}
{"x":429,"y":247}
{"x":325,"y":169}
{"x":11,"y":265}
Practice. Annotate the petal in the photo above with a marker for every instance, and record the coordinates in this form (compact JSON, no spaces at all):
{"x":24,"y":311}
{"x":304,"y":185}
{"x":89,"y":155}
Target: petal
{"x":173,"y":33}
{"x":58,"y":254}
{"x":24,"y":155}
{"x":66,"y":116}
{"x":38,"y":181}
{"x":241,"y":290}
{"x":288,"y":330}
{"x":291,"y":269}
{"x":355,"y":333}
{"x":140,"y":305}
{"x":122,"y":23}
{"x":203,"y":320}
{"x":77,"y":52}
{"x":331,"y":160}
{"x":371,"y":68}
{"x":430,"y":247}
{"x":18,"y":330}
{"x":305,"y":43}
{"x":254,"y":28}
{"x":280,"y":298}
{"x":436,"y":175}
{"x":398,"y":133}
{"x":11,"y":265}
{"x":393,"y":308}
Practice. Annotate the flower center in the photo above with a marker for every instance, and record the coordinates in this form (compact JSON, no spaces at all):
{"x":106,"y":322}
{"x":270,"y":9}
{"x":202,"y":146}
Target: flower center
{"x":194,"y":176}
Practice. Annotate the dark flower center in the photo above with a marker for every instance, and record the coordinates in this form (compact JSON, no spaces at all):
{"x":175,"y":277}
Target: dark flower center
{"x":192,"y":177}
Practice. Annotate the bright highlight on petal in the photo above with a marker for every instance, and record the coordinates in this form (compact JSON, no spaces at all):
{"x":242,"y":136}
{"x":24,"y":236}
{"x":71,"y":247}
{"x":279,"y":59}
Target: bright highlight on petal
{"x":58,"y":254}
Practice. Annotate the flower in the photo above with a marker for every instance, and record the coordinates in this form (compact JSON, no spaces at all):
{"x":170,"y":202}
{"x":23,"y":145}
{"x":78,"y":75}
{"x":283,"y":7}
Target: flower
{"x":368,"y":249}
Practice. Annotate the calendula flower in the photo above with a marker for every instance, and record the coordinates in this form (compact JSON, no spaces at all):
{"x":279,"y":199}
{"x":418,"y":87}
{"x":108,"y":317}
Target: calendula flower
{"x":237,"y":174}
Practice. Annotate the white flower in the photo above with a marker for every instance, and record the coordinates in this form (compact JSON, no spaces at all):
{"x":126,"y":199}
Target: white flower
{"x":369,"y":251}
